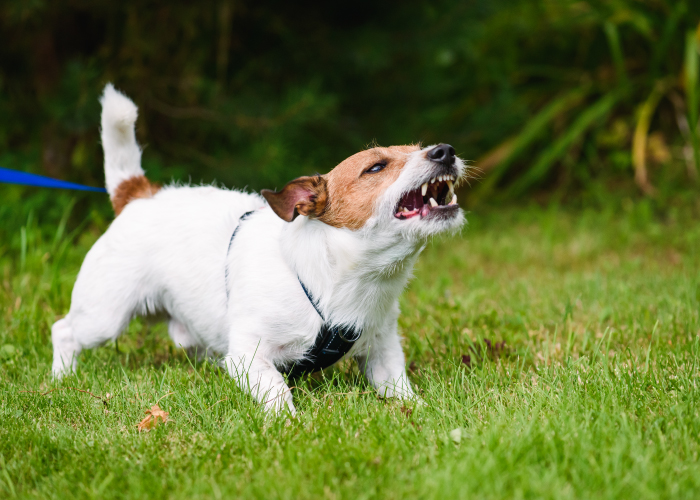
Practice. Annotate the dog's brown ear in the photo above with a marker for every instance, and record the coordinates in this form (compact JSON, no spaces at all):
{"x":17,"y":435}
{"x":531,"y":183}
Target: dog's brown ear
{"x":303,"y":196}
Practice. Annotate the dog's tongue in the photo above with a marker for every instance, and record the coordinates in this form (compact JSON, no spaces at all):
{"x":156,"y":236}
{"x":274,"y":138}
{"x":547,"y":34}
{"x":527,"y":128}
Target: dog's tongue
{"x":413,"y":204}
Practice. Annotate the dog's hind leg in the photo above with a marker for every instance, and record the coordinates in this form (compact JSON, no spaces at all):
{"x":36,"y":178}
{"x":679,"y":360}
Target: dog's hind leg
{"x":105,"y":297}
{"x":65,"y":348}
{"x":180,"y":335}
{"x":183,"y":339}
{"x":84,"y":327}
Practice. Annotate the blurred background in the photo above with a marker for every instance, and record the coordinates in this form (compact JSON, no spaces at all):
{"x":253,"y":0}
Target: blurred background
{"x":582,"y":103}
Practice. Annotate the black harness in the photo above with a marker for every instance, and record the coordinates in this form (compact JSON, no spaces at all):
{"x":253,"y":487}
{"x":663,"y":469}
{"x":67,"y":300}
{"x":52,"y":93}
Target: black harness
{"x":332,"y":341}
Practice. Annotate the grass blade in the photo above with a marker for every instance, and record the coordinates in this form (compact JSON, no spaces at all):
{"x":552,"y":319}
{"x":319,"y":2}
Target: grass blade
{"x":669,"y":32}
{"x":503,"y":155}
{"x":60,"y":231}
{"x":639,"y":142}
{"x":553,"y":153}
{"x":613,"y":37}
{"x":691,"y":78}
{"x":691,"y":91}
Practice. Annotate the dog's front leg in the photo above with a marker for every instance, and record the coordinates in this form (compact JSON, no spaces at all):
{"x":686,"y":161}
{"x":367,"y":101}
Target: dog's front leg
{"x":262,"y":380}
{"x":383,"y":363}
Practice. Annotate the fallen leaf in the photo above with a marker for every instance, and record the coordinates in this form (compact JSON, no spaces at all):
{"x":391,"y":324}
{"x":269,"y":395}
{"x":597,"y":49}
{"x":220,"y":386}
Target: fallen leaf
{"x":456,"y":435}
{"x":495,"y":348}
{"x":406,"y":410}
{"x":152,"y":417}
{"x":484,"y":350}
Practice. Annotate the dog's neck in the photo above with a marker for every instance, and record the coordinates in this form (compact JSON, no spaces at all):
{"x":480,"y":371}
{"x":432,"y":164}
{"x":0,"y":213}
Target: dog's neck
{"x":355,"y":276}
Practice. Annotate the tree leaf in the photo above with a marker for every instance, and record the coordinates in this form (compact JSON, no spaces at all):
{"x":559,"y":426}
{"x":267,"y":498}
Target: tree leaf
{"x":152,"y":417}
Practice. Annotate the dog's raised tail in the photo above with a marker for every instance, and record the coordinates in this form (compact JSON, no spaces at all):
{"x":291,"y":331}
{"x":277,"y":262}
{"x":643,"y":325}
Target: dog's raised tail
{"x":125,"y":179}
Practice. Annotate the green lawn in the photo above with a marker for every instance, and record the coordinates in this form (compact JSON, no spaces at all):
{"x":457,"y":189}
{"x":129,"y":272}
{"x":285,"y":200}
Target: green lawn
{"x":594,"y":395}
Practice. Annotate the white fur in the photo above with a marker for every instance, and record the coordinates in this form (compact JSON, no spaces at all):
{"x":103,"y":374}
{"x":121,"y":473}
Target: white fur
{"x":171,"y":253}
{"x":122,"y":154}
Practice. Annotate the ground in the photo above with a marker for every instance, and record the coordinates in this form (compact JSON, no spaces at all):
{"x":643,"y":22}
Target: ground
{"x":556,"y":352}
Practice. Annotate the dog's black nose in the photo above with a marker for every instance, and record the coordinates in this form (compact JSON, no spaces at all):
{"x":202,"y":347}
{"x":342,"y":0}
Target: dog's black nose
{"x":442,"y":153}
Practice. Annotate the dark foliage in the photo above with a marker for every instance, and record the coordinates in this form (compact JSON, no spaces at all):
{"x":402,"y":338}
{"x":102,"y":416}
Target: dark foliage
{"x":546,"y":94}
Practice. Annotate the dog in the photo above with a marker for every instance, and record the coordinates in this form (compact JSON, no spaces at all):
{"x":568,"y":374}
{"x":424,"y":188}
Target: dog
{"x":285,"y":282}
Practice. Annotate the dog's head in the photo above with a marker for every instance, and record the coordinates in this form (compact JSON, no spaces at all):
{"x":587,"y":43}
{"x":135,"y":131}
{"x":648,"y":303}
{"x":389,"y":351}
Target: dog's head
{"x":402,"y":189}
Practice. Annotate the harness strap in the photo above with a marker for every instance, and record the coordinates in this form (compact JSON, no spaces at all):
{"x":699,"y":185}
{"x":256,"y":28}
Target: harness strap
{"x":230,"y":242}
{"x":332,"y":342}
{"x":313,"y":302}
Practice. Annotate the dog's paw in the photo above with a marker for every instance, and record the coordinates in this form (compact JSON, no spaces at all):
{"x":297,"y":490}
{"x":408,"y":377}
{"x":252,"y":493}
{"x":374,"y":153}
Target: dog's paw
{"x":400,"y":389}
{"x":280,"y":406}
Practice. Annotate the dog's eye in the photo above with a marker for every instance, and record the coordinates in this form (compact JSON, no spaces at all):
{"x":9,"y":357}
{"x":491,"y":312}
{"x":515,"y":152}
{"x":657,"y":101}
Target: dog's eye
{"x":375,"y":168}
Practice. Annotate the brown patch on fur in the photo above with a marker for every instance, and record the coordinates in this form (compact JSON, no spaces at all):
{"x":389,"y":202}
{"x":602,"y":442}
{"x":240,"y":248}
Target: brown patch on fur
{"x":131,"y":189}
{"x":352,"y":192}
{"x":303,"y":196}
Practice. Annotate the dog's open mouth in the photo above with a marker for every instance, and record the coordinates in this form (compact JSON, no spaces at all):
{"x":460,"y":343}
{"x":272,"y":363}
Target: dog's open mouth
{"x":436,"y":195}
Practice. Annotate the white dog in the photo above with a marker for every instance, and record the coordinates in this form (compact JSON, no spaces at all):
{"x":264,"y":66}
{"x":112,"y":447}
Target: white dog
{"x":284,"y":283}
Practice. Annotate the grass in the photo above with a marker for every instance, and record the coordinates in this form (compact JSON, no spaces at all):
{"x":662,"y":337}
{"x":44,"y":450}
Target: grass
{"x":595,"y":393}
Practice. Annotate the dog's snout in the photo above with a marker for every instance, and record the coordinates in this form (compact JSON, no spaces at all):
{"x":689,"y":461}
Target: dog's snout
{"x":442,"y":153}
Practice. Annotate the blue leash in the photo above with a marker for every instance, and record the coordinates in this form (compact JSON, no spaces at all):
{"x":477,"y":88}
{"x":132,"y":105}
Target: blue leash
{"x":8,"y":176}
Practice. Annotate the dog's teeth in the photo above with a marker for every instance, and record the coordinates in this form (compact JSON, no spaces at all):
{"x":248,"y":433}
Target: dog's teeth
{"x":433,"y":203}
{"x":454,"y":200}
{"x":424,"y":189}
{"x":405,"y":209}
{"x":432,"y":181}
{"x":450,"y":185}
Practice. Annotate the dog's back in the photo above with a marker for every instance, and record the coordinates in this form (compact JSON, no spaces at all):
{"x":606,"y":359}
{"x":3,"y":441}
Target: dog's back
{"x":166,"y":247}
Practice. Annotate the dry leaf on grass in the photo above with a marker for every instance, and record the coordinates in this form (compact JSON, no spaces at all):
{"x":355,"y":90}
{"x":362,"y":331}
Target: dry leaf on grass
{"x":152,"y":417}
{"x":487,"y":350}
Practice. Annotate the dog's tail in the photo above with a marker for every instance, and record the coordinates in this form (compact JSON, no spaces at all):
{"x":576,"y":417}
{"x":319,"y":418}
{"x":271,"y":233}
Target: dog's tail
{"x":124,"y":177}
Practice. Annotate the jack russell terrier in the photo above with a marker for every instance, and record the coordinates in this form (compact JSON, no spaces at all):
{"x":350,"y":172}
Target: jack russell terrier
{"x":283,"y":283}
